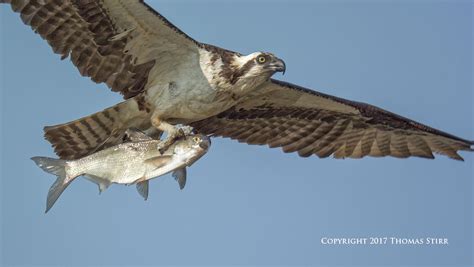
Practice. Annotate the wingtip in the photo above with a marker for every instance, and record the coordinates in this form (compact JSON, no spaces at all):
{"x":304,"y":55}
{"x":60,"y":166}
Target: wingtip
{"x":46,"y":128}
{"x":457,"y":157}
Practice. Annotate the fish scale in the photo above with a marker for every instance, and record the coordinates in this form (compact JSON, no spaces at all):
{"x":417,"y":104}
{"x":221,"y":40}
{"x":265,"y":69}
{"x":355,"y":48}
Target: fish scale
{"x":134,"y":162}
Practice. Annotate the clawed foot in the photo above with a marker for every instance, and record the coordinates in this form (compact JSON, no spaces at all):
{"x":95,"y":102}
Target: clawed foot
{"x":172,"y":133}
{"x":187,"y":130}
{"x":170,"y":139}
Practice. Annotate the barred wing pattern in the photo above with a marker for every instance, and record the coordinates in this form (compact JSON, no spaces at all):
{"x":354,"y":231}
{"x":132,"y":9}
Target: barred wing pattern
{"x":117,"y":42}
{"x":311,"y":123}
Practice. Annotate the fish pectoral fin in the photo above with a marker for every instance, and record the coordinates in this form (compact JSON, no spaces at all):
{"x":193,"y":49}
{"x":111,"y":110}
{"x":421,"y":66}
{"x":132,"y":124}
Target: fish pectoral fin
{"x":159,"y":161}
{"x":180,"y":176}
{"x":142,"y":188}
{"x":135,"y":135}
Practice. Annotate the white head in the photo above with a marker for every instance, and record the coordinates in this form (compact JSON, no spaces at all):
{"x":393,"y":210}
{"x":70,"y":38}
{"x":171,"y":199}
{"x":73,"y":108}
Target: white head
{"x":227,"y":69}
{"x":258,"y":65}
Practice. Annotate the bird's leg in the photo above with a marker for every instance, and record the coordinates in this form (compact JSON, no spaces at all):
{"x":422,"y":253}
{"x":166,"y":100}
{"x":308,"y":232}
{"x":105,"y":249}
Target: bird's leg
{"x":172,"y":133}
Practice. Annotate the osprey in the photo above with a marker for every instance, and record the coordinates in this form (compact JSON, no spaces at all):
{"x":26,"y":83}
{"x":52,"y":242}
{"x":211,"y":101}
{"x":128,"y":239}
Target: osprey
{"x":168,"y":78}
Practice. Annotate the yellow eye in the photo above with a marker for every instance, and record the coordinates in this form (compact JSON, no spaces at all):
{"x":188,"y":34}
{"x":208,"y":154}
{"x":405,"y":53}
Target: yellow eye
{"x":261,"y":59}
{"x":196,"y":139}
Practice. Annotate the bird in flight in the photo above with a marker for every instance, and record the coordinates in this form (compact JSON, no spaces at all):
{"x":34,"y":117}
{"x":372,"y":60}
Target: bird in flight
{"x":167,"y":78}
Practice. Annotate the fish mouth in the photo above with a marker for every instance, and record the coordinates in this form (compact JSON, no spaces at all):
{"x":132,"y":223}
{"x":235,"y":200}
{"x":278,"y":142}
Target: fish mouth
{"x":206,"y":143}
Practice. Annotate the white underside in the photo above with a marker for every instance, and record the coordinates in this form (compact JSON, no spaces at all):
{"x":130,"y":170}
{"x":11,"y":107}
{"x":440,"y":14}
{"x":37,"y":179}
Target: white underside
{"x":186,"y":91}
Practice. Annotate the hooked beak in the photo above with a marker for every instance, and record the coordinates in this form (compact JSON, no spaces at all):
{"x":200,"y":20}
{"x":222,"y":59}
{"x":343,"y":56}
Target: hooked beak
{"x":279,"y":65}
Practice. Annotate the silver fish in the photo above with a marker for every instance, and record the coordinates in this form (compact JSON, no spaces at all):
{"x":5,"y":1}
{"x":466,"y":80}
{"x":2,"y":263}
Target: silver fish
{"x":134,"y":162}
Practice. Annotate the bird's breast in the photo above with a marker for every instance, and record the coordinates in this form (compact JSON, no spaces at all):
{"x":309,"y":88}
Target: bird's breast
{"x":188,"y":98}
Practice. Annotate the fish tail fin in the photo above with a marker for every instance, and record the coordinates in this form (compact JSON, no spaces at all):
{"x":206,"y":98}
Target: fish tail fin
{"x":50,"y":165}
{"x":58,"y":168}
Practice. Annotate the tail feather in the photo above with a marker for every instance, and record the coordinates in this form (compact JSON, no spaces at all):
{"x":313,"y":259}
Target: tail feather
{"x":58,"y":168}
{"x":103,"y":129}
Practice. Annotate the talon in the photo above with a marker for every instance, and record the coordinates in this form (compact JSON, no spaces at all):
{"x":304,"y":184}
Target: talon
{"x":173,"y":133}
{"x":162,"y":150}
{"x":187,"y":130}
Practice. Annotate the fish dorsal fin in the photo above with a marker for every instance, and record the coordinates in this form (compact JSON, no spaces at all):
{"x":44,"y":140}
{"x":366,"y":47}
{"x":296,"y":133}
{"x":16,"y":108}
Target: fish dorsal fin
{"x":142,"y":188}
{"x":159,"y":161}
{"x":180,"y":176}
{"x":135,"y":135}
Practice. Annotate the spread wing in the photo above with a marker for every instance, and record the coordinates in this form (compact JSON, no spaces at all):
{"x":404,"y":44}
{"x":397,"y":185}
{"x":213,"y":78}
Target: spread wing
{"x":304,"y":121}
{"x":117,"y":42}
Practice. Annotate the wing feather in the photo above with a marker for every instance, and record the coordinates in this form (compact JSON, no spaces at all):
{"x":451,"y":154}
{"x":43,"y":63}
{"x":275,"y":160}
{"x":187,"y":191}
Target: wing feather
{"x":300,"y":120}
{"x":117,"y":42}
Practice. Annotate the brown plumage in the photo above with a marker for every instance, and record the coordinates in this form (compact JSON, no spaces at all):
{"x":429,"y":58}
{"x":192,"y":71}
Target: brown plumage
{"x":95,"y":132}
{"x":311,"y":123}
{"x":96,"y":44}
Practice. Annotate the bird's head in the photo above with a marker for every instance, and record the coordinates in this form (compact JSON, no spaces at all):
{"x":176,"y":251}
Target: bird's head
{"x":259,"y":64}
{"x":237,"y":70}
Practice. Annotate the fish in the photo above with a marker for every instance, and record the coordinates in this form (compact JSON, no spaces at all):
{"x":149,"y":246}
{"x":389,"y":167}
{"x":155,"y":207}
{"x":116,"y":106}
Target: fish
{"x":134,"y":162}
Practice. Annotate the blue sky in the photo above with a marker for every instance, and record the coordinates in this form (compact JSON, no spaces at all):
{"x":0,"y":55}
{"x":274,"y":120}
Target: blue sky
{"x":250,"y":205}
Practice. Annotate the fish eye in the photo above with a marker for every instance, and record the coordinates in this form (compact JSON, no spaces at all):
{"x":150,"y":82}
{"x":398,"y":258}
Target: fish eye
{"x":261,"y":59}
{"x":196,"y":139}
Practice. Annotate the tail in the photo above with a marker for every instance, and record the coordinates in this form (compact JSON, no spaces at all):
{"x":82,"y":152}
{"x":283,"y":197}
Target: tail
{"x":103,"y":129}
{"x":58,"y":168}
